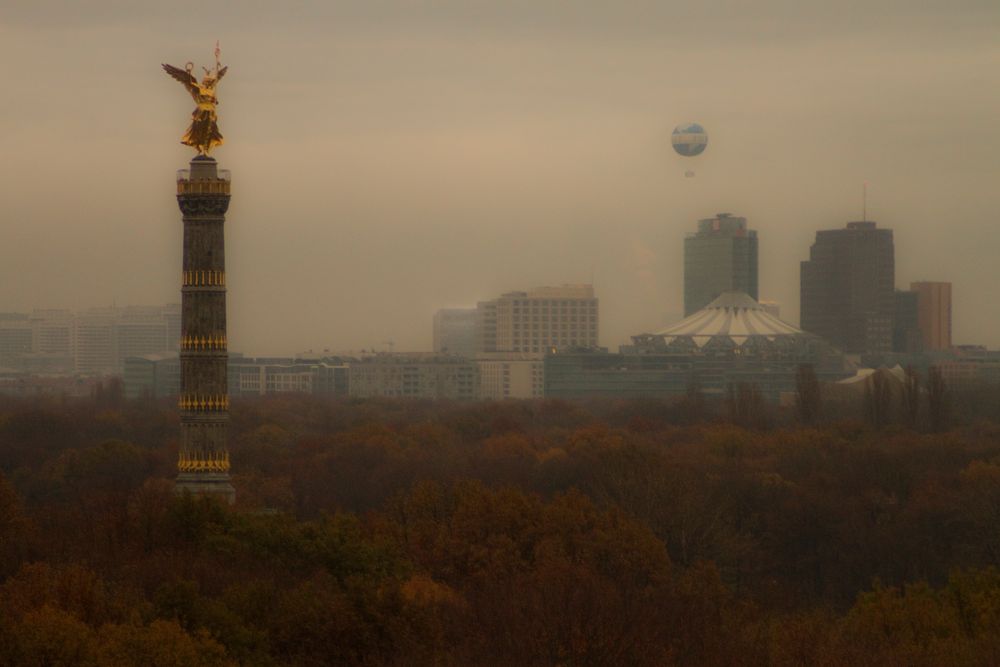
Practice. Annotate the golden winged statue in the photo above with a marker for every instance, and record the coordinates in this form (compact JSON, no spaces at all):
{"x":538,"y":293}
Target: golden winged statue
{"x":203,"y":135}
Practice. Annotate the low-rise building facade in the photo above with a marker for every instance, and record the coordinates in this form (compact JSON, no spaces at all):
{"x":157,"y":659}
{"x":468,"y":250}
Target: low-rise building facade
{"x":414,"y":375}
{"x":505,"y":375}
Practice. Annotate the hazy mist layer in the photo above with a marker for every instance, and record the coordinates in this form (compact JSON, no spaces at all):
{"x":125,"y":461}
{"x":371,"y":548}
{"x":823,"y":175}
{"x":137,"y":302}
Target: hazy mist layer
{"x":391,"y":158}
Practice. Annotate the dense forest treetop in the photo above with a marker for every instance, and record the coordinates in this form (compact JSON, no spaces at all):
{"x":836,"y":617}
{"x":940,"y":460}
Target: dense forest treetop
{"x":388,"y":532}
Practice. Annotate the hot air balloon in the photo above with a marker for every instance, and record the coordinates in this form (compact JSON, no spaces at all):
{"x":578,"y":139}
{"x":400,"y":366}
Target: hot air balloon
{"x":689,"y":139}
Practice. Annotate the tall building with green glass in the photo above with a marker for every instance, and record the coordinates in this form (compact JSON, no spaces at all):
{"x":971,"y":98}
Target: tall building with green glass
{"x":720,"y":257}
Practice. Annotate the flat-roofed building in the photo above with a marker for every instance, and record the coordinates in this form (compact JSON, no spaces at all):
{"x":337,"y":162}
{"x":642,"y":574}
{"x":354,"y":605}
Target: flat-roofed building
{"x":15,"y":338}
{"x":517,"y":329}
{"x":455,"y":331}
{"x":539,"y":320}
{"x":158,"y":375}
{"x":152,"y":375}
{"x":52,"y":332}
{"x":933,"y":313}
{"x":969,"y":367}
{"x":143,"y":330}
{"x":848,"y":288}
{"x":50,"y":344}
{"x":511,"y":375}
{"x":104,"y":337}
{"x":257,"y":376}
{"x":414,"y":375}
{"x":94,"y":341}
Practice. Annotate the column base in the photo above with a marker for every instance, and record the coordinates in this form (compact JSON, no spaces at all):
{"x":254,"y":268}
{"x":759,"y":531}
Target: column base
{"x":204,"y":484}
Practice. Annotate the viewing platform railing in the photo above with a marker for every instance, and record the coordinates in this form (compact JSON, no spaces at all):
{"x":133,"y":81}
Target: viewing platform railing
{"x":203,"y":186}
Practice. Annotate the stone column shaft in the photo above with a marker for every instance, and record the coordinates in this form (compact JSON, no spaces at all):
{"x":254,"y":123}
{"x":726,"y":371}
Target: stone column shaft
{"x":203,"y":465}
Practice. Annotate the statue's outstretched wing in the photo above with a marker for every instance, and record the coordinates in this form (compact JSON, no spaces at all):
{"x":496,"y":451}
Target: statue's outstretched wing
{"x":222,"y":73}
{"x":183,"y":76}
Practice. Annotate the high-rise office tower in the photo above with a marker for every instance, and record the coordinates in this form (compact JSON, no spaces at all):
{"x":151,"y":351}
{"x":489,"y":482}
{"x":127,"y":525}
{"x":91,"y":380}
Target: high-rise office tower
{"x":847,"y":288}
{"x":203,"y":465}
{"x":720,"y":257}
{"x":933,"y":314}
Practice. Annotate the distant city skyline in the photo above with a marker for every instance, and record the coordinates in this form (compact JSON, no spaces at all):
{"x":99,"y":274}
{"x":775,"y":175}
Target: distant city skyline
{"x":438,"y":156}
{"x":88,"y":341}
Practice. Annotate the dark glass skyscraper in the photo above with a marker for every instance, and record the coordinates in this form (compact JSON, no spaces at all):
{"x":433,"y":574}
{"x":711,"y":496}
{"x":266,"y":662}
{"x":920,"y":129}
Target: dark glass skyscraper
{"x":906,"y":337}
{"x":848,"y":288}
{"x":720,"y":257}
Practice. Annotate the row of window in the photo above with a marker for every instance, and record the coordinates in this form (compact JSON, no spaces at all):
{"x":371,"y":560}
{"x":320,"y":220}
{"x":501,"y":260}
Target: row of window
{"x":553,"y":303}
{"x":561,"y":318}
{"x":518,"y":312}
{"x":556,"y":325}
{"x":562,"y":336}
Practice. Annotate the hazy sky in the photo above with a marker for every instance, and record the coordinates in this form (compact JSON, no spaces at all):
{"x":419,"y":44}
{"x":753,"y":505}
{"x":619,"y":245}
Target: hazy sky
{"x":391,"y":158}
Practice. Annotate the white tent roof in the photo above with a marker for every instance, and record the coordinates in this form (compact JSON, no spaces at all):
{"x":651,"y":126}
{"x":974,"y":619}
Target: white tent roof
{"x":734,"y":315}
{"x":862,"y":374}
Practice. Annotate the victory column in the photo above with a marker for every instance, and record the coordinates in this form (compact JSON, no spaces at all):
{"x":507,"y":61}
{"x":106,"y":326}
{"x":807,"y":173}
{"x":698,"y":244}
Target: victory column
{"x":203,"y":197}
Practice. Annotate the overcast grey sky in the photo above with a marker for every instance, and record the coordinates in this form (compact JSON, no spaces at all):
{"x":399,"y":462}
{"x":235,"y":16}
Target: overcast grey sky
{"x":391,"y":158}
